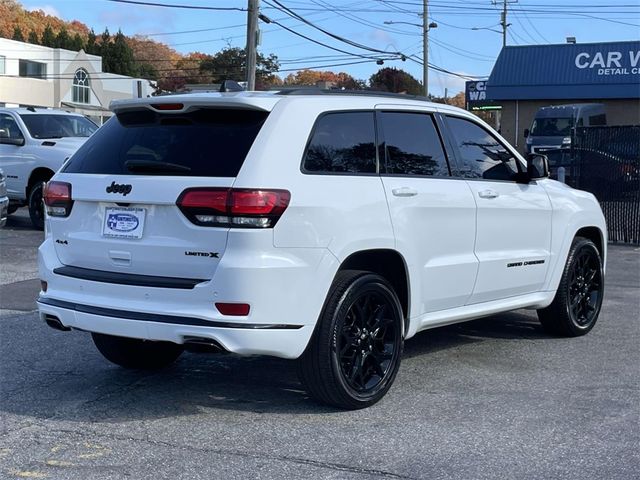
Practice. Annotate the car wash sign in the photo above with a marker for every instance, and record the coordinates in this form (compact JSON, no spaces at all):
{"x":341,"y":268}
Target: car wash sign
{"x":476,"y":96}
{"x":609,"y":62}
{"x":568,"y":71}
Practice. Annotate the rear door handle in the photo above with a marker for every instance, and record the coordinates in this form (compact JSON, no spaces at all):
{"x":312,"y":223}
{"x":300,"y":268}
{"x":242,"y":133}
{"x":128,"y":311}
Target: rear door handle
{"x":404,"y":192}
{"x":488,"y":194}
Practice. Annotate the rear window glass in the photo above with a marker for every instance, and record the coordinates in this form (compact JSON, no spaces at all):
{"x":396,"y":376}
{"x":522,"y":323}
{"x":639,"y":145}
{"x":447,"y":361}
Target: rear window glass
{"x":202,"y":143}
{"x":342,"y":142}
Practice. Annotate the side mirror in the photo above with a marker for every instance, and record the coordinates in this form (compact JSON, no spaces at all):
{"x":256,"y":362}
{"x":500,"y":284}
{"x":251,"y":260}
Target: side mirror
{"x":12,"y":141}
{"x":537,"y":166}
{"x":526,"y":132}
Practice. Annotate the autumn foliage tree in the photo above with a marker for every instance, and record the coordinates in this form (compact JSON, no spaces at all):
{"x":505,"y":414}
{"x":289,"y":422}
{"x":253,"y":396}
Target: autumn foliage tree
{"x":312,"y":77}
{"x":12,"y":14}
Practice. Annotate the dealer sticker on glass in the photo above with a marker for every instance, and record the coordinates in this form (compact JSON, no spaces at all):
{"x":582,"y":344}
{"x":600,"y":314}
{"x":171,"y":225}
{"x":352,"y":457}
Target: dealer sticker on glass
{"x":123,"y":222}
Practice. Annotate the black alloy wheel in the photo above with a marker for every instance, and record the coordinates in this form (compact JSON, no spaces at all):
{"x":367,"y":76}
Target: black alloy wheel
{"x":354,"y":355}
{"x":36,"y":205}
{"x":367,"y":341}
{"x":137,"y":354}
{"x":585,"y":287}
{"x":576,"y":306}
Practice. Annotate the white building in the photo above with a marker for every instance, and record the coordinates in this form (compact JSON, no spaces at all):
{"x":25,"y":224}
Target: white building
{"x":33,"y":75}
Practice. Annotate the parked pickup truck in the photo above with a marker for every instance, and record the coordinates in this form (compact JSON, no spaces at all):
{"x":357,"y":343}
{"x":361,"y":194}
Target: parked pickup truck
{"x":34,"y":144}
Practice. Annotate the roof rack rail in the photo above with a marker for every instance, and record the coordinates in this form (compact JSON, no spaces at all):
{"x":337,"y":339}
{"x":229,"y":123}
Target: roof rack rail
{"x":364,"y":93}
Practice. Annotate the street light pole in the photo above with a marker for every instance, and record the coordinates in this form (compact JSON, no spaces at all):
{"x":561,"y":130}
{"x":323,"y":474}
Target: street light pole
{"x":425,"y":46}
{"x":252,"y":29}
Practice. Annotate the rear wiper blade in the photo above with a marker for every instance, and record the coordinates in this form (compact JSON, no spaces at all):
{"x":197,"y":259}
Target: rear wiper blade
{"x":154,"y":166}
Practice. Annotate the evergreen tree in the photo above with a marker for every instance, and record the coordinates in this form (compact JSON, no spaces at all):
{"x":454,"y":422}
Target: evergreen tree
{"x":48,"y":37}
{"x":62,"y":39}
{"x":33,"y":38}
{"x":230,"y":64}
{"x":76,"y":43}
{"x":104,"y":50}
{"x":147,"y":71}
{"x":17,"y":34}
{"x":120,"y":57}
{"x":91,"y":47}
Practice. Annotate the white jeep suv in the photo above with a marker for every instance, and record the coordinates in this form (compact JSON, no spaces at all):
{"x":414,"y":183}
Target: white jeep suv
{"x":34,"y":142}
{"x":322,"y":227}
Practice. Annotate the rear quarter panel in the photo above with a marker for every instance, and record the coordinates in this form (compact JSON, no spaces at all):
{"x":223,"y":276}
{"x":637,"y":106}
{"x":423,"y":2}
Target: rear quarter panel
{"x":343,"y":213}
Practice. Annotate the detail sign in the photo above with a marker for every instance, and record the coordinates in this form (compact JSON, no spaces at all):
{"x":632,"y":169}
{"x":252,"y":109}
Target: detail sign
{"x":609,"y":62}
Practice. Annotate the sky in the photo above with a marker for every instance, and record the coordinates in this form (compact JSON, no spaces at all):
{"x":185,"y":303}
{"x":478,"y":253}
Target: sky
{"x":466,"y":41}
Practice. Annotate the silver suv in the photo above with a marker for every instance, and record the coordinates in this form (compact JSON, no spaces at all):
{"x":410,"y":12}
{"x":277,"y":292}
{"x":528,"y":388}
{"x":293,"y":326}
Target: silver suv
{"x":34,"y":144}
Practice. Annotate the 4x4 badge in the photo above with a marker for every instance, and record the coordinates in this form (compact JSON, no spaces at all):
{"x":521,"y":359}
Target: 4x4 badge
{"x":124,"y":188}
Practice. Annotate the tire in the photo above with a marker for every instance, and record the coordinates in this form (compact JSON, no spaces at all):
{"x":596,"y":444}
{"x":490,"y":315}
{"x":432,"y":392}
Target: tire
{"x":576,"y":306}
{"x":36,"y":207}
{"x":136,"y":354}
{"x":354,"y":354}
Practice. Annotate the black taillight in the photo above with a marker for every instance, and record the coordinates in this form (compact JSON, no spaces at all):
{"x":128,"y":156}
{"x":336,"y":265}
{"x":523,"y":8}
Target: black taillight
{"x":57,"y":199}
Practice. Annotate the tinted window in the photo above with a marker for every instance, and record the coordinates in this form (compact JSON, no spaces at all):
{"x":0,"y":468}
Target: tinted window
{"x":481,"y":155}
{"x":27,"y":68}
{"x":342,"y":143}
{"x":8,"y":127}
{"x":58,"y":126}
{"x":412,"y":145}
{"x":206,"y":142}
{"x":552,"y":127}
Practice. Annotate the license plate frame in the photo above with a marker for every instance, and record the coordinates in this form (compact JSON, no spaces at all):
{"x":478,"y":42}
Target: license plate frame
{"x":124,"y":222}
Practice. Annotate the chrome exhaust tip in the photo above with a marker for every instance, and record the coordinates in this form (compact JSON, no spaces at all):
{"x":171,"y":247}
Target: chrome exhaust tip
{"x":55,"y":323}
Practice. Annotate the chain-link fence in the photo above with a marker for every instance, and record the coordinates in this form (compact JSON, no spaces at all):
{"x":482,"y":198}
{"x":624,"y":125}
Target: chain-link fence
{"x":606,"y":162}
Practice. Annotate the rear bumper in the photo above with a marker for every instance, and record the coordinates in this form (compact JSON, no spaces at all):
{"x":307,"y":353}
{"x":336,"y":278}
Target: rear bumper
{"x":285,"y":289}
{"x":248,"y":339}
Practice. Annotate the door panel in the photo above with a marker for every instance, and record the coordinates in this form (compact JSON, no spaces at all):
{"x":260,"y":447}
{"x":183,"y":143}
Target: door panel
{"x":433,"y":215}
{"x":11,"y":157}
{"x":513,"y":234}
{"x":513,"y":239}
{"x":435,"y":232}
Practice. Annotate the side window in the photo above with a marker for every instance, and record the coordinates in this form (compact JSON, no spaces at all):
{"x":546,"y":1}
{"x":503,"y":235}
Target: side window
{"x":9,"y":128}
{"x":412,"y":144}
{"x":342,"y":142}
{"x":481,"y":155}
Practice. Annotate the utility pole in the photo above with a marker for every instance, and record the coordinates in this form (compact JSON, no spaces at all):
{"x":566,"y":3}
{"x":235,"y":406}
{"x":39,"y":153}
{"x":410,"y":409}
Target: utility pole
{"x":425,"y":46}
{"x":503,"y":19}
{"x":252,"y":29}
{"x":503,"y":22}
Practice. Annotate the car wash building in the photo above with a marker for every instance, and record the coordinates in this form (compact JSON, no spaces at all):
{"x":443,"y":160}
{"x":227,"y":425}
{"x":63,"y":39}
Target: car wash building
{"x":526,"y":78}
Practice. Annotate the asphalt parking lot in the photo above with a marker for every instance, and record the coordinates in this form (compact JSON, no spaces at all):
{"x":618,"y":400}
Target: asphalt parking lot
{"x":490,"y":399}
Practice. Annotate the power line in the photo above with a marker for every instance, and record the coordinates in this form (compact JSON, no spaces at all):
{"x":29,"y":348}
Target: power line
{"x":326,"y":32}
{"x":173,"y":5}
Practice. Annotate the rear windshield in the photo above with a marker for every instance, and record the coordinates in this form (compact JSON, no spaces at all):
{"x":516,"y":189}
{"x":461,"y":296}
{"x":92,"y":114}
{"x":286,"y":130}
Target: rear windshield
{"x":202,"y":143}
{"x":58,"y":126}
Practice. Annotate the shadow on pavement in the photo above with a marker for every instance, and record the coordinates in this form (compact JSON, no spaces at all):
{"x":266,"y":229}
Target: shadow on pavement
{"x":51,"y":374}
